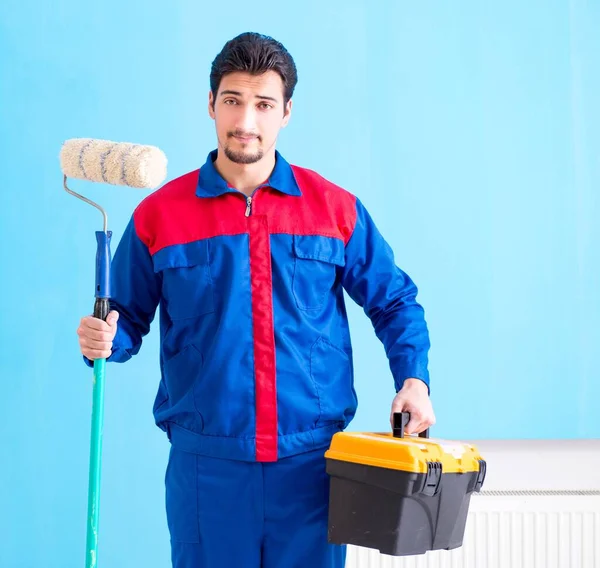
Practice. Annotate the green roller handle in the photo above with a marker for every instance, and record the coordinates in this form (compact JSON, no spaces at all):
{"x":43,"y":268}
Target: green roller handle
{"x":101,"y":310}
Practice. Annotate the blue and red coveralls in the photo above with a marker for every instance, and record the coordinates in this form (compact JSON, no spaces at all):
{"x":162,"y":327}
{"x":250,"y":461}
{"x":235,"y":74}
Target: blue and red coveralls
{"x":255,"y":352}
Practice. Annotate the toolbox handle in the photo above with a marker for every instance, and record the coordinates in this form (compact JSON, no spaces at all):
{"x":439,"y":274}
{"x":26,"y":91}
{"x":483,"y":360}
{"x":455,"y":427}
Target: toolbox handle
{"x":401,"y":419}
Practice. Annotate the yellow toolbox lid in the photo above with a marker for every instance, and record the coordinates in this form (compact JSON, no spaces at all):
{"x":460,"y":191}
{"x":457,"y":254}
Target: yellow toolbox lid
{"x":410,"y":453}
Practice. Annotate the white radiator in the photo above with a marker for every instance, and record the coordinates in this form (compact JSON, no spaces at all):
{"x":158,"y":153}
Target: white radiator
{"x":540,"y":508}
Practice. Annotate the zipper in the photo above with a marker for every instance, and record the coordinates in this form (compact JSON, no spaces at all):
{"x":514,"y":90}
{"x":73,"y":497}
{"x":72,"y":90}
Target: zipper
{"x":249,"y":201}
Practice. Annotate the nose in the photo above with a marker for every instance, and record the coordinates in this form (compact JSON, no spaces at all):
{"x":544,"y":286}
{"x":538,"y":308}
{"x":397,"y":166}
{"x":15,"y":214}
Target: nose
{"x":247,"y":119}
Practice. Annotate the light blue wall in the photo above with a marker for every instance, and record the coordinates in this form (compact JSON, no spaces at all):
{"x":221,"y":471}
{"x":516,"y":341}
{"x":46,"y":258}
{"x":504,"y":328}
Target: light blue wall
{"x":470,"y":131}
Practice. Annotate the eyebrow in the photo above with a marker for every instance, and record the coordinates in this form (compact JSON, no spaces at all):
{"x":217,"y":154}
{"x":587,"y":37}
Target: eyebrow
{"x":238,"y":94}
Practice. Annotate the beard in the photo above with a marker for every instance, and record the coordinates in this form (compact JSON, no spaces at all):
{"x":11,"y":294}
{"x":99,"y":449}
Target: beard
{"x":241,"y":156}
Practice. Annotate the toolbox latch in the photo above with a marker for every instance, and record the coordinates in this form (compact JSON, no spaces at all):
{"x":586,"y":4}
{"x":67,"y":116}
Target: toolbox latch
{"x":433,"y":478}
{"x":480,"y":475}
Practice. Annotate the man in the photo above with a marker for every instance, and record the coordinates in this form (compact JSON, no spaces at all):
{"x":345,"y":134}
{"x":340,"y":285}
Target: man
{"x":248,"y":258}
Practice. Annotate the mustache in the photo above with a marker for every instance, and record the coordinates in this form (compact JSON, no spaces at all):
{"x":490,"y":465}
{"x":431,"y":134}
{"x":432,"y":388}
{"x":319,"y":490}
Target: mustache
{"x":242,"y":134}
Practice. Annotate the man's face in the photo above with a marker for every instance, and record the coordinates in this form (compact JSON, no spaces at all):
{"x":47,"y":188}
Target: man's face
{"x":249,"y":112}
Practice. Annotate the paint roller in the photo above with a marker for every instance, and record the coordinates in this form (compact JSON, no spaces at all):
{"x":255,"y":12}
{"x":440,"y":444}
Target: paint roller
{"x":115,"y":163}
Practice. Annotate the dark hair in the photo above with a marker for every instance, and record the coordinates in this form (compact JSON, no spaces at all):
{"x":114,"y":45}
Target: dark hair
{"x":255,"y":54}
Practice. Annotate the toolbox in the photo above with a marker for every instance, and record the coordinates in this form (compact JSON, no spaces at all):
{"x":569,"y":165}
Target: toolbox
{"x":402,"y":495}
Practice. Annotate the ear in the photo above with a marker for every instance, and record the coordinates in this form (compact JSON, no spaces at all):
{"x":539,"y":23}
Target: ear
{"x":211,"y":105}
{"x":287,"y":114}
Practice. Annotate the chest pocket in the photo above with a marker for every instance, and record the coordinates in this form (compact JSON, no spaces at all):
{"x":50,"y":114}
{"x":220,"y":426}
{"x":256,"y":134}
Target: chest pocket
{"x":315,"y":269}
{"x":188,"y":289}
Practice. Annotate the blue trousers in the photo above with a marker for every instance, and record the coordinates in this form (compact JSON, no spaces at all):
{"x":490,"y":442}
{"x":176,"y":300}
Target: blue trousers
{"x":234,"y":514}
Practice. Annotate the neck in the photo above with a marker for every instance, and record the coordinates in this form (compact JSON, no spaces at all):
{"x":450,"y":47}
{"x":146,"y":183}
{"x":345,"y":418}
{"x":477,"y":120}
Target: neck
{"x":245,"y":177}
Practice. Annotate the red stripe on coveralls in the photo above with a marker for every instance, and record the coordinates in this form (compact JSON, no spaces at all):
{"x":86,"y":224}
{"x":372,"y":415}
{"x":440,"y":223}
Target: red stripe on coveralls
{"x":175,"y":215}
{"x":264,"y":339}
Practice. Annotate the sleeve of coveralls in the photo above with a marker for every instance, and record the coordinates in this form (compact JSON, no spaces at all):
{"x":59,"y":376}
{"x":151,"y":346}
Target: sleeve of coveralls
{"x":135,"y":293}
{"x":388,"y":297}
